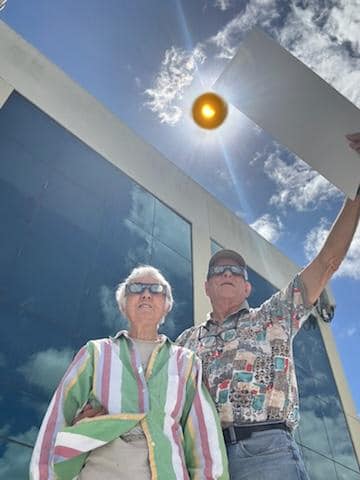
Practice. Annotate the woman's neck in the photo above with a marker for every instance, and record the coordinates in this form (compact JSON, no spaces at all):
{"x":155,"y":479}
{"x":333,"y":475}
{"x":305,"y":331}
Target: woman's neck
{"x":143,"y":333}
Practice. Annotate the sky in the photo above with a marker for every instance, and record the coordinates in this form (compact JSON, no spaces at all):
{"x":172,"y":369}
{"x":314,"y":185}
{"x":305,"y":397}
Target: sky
{"x":147,"y":61}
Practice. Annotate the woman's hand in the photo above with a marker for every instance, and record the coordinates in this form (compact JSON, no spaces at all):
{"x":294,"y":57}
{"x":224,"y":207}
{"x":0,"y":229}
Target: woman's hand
{"x":89,"y":412}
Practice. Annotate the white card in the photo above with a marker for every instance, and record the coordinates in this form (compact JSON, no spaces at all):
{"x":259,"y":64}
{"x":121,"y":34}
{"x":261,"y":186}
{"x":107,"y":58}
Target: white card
{"x":294,"y":105}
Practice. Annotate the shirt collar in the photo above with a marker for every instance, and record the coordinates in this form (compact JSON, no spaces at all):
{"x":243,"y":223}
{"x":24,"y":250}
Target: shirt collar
{"x":124,"y":333}
{"x":244,"y":308}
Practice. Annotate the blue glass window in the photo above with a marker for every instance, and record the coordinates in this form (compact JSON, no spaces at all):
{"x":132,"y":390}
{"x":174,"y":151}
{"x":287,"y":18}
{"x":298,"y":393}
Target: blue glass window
{"x":73,"y":226}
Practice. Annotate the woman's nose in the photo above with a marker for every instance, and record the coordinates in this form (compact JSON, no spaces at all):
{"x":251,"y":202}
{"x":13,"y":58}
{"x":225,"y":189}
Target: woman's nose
{"x":146,"y":293}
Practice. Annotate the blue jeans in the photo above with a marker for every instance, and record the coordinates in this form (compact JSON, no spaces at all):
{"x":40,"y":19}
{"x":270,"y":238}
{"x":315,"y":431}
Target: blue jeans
{"x":266,"y":455}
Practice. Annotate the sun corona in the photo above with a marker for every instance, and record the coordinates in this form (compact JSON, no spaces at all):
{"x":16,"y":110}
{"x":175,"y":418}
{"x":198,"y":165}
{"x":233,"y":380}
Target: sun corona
{"x":209,"y":110}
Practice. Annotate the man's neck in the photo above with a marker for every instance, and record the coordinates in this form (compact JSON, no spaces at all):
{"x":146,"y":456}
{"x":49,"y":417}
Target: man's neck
{"x":221,"y":312}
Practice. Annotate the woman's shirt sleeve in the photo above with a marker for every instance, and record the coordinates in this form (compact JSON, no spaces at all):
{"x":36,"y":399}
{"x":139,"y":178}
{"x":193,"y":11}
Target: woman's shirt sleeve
{"x":69,"y":398}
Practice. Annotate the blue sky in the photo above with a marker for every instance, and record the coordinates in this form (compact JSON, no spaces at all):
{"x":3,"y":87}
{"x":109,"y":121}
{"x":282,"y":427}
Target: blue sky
{"x":147,"y":61}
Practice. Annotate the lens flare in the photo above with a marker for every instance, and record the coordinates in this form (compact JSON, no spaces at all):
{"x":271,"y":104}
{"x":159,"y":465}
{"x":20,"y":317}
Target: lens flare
{"x":209,"y":110}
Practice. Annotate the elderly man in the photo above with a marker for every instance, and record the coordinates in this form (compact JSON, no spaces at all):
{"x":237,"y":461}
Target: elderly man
{"x":247,"y":357}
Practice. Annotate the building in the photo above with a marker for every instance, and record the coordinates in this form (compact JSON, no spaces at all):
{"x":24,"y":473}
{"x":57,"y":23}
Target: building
{"x":83,"y":199}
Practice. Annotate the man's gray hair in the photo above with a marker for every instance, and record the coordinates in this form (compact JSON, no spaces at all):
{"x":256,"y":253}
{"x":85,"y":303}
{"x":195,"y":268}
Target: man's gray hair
{"x":136,"y":273}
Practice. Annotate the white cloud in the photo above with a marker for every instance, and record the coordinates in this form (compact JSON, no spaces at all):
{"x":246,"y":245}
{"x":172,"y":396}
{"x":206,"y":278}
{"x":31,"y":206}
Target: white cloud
{"x":317,"y":36}
{"x":314,"y":33}
{"x":321,"y":36}
{"x":268,"y":227}
{"x":45,"y":369}
{"x":297,"y":184}
{"x":176,"y":74}
{"x":223,"y":176}
{"x":222,"y":4}
{"x":227,"y":40}
{"x":350,"y":332}
{"x":344,"y":22}
{"x":350,"y":267}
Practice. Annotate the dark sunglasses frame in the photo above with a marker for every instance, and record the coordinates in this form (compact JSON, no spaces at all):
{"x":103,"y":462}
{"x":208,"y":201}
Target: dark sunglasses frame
{"x":234,"y":269}
{"x":140,"y":287}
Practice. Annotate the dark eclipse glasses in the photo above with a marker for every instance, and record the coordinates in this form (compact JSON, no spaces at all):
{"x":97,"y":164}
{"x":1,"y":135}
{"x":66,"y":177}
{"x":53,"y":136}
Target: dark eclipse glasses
{"x":234,"y":269}
{"x":139,"y":287}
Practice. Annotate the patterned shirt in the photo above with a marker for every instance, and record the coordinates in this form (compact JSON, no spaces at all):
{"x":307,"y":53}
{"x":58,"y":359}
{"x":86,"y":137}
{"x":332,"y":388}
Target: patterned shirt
{"x":168,"y":400}
{"x":248,"y":363}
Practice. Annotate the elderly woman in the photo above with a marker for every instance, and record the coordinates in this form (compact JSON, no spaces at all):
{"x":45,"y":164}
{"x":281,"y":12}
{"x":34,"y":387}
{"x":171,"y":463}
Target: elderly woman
{"x":156,"y":419}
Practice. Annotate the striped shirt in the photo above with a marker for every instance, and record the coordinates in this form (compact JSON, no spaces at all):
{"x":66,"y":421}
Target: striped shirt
{"x":168,"y":400}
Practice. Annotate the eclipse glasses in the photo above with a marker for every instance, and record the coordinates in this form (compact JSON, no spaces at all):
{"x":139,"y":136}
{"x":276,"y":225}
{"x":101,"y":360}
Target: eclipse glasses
{"x":139,"y":287}
{"x":234,"y":269}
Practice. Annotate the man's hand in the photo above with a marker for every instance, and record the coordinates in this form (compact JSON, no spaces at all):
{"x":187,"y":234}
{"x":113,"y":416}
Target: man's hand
{"x":89,"y":412}
{"x":354,"y":141}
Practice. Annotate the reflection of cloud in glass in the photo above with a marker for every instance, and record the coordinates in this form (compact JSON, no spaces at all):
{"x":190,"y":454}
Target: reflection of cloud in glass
{"x":319,"y":466}
{"x":174,"y":322}
{"x":14,"y":463}
{"x":45,"y":369}
{"x":111,"y":315}
{"x":140,"y":248}
{"x":4,"y":431}
{"x":322,"y":423}
{"x":142,"y":208}
{"x":172,"y":230}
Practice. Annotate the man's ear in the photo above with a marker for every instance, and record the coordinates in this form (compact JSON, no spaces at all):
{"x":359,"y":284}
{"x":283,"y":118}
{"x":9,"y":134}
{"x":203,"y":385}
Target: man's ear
{"x":248,"y":288}
{"x":206,"y":285}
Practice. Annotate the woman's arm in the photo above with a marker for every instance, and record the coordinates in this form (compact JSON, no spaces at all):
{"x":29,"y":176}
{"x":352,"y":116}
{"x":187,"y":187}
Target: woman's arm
{"x":68,"y":399}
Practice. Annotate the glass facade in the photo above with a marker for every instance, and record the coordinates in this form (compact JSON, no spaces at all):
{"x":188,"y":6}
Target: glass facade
{"x":323,"y":434}
{"x":72,"y":227}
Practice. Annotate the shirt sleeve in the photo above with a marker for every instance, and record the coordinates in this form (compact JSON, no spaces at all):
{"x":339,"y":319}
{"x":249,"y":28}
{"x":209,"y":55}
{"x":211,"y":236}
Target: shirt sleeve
{"x":68,"y":399}
{"x":204,"y":447}
{"x":289,"y":307}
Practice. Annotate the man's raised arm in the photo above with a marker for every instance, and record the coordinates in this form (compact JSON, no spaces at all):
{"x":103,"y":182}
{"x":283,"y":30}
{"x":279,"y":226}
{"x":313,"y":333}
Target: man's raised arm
{"x":316,"y":275}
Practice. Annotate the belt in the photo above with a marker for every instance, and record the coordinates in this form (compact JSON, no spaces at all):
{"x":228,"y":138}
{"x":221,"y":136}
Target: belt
{"x":235,"y":434}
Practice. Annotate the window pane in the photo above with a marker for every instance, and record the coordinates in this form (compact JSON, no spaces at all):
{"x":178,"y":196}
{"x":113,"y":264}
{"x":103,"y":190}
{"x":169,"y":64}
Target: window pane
{"x":319,"y":467}
{"x":178,"y":272}
{"x":172,"y":230}
{"x":322,"y":426}
{"x":14,"y":461}
{"x":345,"y":473}
{"x":75,"y":227}
{"x":215,"y":247}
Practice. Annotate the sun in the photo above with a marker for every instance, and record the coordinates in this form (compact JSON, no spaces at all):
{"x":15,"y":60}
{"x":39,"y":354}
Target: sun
{"x":209,"y":110}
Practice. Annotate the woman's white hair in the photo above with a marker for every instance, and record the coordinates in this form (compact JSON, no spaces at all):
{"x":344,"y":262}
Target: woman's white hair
{"x":136,"y":273}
